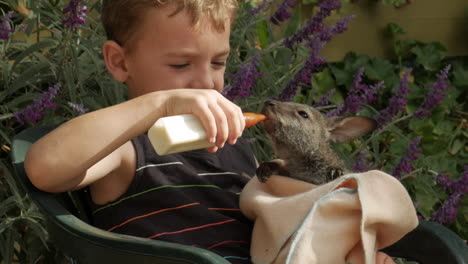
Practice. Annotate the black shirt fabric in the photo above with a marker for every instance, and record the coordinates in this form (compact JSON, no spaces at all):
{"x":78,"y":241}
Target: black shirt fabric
{"x":190,"y":198}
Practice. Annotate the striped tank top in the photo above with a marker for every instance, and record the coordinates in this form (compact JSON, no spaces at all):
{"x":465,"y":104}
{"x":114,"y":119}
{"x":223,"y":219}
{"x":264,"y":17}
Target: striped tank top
{"x":190,"y":198}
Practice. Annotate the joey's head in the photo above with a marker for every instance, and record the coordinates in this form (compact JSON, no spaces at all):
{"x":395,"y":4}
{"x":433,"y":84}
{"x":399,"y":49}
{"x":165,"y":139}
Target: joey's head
{"x":299,"y":129}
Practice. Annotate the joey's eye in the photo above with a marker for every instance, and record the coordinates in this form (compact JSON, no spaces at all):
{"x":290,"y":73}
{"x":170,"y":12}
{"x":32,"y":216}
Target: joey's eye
{"x":303,"y":114}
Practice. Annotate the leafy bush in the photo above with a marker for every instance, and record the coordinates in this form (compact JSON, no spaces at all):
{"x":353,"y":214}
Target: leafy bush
{"x":52,"y":70}
{"x":417,"y":97}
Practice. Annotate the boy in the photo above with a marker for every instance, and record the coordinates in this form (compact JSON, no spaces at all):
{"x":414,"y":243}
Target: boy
{"x":171,"y":55}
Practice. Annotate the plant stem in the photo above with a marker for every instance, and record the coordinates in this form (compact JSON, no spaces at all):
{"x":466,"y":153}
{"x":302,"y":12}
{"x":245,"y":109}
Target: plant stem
{"x":6,"y":116}
{"x":421,"y":170}
{"x":378,"y":133}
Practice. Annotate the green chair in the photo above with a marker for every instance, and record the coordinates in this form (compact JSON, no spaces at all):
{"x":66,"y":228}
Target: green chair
{"x":69,"y":229}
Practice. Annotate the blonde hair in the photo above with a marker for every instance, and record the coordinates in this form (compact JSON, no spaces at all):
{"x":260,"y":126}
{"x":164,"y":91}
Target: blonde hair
{"x":121,"y":18}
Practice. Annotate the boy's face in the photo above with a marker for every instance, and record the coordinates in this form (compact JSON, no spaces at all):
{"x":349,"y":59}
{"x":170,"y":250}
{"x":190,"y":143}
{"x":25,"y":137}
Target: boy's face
{"x":168,"y":53}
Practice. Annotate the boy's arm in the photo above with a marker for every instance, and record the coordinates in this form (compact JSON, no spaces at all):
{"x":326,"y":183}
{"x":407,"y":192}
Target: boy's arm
{"x":61,"y":160}
{"x":90,"y":147}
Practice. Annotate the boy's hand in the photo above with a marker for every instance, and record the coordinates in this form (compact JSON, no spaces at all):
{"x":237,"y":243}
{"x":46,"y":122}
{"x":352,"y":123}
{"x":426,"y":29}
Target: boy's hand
{"x":223,"y":120}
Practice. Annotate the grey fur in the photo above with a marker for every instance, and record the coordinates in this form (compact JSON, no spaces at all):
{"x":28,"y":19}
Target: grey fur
{"x":301,"y":137}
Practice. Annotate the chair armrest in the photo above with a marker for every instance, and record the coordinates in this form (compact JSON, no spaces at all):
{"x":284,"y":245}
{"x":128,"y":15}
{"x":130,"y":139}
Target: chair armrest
{"x":431,"y":243}
{"x":88,"y":244}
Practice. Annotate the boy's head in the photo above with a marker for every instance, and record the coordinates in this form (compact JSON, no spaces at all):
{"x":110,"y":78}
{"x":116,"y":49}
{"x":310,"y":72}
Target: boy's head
{"x":121,"y":18}
{"x":167,"y":44}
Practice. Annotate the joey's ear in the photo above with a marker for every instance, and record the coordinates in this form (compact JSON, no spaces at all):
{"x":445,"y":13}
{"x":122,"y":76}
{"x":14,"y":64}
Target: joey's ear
{"x":114,"y":57}
{"x":346,"y":129}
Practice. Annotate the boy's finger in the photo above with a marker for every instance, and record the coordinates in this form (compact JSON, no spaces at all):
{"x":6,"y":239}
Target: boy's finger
{"x":383,"y":258}
{"x":236,"y":120}
{"x":212,"y":149}
{"x":236,"y":123}
{"x":208,"y":121}
{"x":222,"y":127}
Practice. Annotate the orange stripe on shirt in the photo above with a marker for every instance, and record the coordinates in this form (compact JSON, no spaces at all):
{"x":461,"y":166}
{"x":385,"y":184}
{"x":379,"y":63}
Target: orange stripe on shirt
{"x":191,"y":228}
{"x":224,"y":209}
{"x":152,"y":213}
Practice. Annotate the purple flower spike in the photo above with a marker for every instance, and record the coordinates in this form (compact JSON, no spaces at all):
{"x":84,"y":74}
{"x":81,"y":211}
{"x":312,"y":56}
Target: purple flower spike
{"x":459,"y":185}
{"x":447,"y":213}
{"x":5,"y":29}
{"x":405,"y":166}
{"x":325,"y":100}
{"x":260,"y":7}
{"x":75,"y":14}
{"x":457,"y":189}
{"x":435,"y":94}
{"x":397,"y":103}
{"x":315,"y":24}
{"x":313,"y":61}
{"x":34,"y":112}
{"x":244,"y":80}
{"x":79,"y":108}
{"x":304,"y":75}
{"x":282,"y":13}
{"x":358,"y":95}
{"x":361,"y":164}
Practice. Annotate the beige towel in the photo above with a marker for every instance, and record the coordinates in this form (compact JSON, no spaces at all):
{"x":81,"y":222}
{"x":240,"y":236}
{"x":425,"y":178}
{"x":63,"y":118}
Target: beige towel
{"x":348,"y":219}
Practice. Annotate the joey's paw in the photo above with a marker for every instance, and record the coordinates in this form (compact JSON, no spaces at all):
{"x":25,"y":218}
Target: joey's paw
{"x":264,"y":171}
{"x":263,"y":178}
{"x":334,"y":173}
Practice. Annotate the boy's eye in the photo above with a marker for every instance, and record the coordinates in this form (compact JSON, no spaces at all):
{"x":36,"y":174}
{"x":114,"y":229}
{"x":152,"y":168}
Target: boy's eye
{"x":179,"y":66}
{"x":219,"y":63}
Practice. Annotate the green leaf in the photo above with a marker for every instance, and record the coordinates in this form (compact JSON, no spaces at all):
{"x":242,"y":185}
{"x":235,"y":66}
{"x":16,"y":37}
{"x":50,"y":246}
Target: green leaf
{"x":5,"y":137}
{"x":7,"y":242}
{"x":27,"y":77}
{"x":5,"y":70}
{"x":421,"y":127}
{"x":451,"y":97}
{"x":456,"y":146}
{"x":7,"y":205}
{"x":37,"y":47}
{"x":309,"y":2}
{"x":12,"y":184}
{"x":444,"y":127}
{"x":425,"y":194}
{"x":395,"y":29}
{"x":430,"y":55}
{"x":283,"y":56}
{"x":38,"y":229}
{"x":379,"y":69}
{"x":22,"y":100}
{"x":322,"y":83}
{"x":263,"y":34}
{"x":395,"y":3}
{"x":440,"y":162}
{"x":460,"y":76}
{"x":342,"y":76}
{"x":294,"y":23}
{"x":344,"y":72}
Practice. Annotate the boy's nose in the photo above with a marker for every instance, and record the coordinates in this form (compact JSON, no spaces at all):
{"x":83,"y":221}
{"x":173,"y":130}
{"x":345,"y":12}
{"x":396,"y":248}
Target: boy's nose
{"x":203,"y":79}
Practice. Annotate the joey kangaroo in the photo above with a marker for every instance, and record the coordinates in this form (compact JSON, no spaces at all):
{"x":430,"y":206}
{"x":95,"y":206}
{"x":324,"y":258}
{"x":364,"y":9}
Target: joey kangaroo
{"x":301,"y":138}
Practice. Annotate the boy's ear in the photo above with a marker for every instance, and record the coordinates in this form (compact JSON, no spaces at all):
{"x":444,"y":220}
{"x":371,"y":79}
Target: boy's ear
{"x":349,"y":128}
{"x":114,"y":57}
